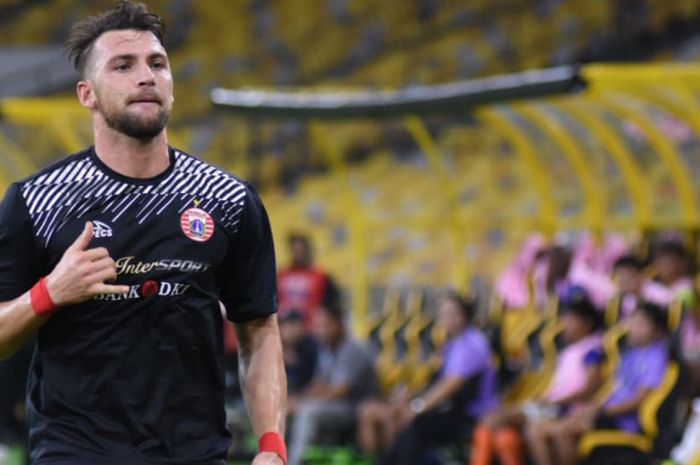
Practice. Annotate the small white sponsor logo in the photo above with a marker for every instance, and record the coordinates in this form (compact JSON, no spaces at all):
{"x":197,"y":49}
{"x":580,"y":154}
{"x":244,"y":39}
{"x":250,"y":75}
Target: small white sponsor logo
{"x":101,"y":229}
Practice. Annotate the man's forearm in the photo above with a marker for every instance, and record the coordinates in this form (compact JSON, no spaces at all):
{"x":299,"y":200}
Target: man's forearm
{"x":263,"y":378}
{"x":442,"y":391}
{"x":626,"y":407}
{"x":18,"y":322}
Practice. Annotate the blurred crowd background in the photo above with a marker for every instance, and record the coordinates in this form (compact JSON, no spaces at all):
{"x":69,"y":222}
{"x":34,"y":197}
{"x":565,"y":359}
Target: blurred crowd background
{"x":512,"y":282}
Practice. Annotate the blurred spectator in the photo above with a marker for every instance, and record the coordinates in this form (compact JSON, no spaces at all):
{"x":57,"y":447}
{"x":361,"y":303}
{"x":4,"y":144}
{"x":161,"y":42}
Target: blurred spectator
{"x":300,"y":351}
{"x":513,"y":286}
{"x":464,"y":391}
{"x":379,"y":420}
{"x":576,"y":376}
{"x":633,"y":286}
{"x":551,"y":271}
{"x":690,"y":343}
{"x":302,"y":286}
{"x":344,"y":377}
{"x":592,"y":263}
{"x":672,"y":265}
{"x":642,"y":367}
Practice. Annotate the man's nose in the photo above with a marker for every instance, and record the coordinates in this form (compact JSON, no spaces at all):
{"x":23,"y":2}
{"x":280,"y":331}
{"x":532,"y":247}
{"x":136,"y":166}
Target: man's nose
{"x":146,"y":76}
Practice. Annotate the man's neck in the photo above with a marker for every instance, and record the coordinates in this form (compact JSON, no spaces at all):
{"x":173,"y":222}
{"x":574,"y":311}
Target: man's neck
{"x":132,"y":157}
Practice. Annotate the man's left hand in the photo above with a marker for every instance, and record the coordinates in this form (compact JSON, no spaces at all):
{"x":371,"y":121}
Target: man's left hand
{"x":267,"y":458}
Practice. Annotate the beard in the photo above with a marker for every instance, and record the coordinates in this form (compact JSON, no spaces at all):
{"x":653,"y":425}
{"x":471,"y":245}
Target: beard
{"x":137,"y":126}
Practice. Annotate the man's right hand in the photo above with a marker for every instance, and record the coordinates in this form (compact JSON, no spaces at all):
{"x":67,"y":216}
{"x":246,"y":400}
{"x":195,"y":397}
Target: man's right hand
{"x":82,"y":273}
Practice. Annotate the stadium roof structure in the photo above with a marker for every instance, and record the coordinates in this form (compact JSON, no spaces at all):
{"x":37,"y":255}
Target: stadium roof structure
{"x":32,"y":71}
{"x":453,"y":98}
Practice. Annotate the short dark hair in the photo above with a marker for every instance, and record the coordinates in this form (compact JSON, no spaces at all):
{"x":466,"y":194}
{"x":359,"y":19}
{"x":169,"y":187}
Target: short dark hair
{"x":629,"y":261}
{"x":299,"y":237}
{"x":579,"y":304}
{"x":334,"y":310}
{"x":673,"y":248}
{"x":466,"y":304}
{"x":124,"y":15}
{"x":657,"y":314}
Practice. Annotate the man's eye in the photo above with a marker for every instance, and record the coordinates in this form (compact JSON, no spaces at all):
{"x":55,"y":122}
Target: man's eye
{"x":158,"y":65}
{"x":123,"y":67}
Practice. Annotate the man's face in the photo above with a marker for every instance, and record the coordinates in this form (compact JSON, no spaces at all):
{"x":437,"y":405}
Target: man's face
{"x":299,"y":250}
{"x":669,"y":266}
{"x":128,"y":83}
{"x":450,"y":317}
{"x":575,"y":327}
{"x":629,"y":280}
{"x":641,"y":329}
{"x":328,"y":330}
{"x":292,"y":332}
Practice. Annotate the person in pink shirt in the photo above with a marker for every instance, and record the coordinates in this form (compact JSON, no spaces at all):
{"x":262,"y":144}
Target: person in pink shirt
{"x":575,"y":378}
{"x":641,"y":369}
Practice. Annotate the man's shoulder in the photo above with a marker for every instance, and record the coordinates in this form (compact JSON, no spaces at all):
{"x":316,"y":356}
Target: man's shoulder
{"x":471,"y":341}
{"x":355,"y":349}
{"x":473,"y":336}
{"x":192,"y":165}
{"x":53,"y":172}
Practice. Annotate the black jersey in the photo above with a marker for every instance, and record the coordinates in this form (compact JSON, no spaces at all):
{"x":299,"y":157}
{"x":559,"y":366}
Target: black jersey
{"x":137,"y":378}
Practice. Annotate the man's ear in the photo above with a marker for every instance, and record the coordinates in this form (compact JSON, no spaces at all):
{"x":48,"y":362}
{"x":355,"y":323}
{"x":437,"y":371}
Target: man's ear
{"x":86,"y":94}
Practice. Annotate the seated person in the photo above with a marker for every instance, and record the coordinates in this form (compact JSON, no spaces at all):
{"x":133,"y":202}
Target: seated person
{"x":690,"y":343}
{"x":344,"y":377}
{"x":576,"y":376}
{"x":465,"y":388}
{"x":300,"y":351}
{"x":632,"y":285}
{"x":641,"y":370}
{"x":379,"y":420}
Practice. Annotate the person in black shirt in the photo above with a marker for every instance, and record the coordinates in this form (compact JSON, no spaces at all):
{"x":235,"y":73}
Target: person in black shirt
{"x":118,"y":257}
{"x":300,"y":351}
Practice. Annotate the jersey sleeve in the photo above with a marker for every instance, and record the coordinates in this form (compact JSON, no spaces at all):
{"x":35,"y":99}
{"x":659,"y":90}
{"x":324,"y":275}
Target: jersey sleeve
{"x":249,"y":279}
{"x":18,"y":253}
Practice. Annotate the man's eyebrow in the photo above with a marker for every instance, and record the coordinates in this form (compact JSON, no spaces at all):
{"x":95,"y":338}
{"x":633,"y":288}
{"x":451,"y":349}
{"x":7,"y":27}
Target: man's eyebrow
{"x":132,"y":57}
{"x":125,"y":56}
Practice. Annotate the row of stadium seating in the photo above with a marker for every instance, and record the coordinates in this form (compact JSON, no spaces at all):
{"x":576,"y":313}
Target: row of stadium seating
{"x":364,"y":42}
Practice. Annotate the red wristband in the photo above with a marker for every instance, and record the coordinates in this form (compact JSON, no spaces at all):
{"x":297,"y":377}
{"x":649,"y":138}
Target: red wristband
{"x":41,"y":300}
{"x":273,"y":442}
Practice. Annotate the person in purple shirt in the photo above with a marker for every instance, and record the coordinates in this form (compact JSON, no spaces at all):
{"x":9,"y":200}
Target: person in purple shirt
{"x":464,"y":390}
{"x":641,"y":370}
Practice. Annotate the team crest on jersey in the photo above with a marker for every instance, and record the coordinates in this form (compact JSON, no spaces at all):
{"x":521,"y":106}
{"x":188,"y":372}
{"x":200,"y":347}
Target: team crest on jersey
{"x":197,"y":224}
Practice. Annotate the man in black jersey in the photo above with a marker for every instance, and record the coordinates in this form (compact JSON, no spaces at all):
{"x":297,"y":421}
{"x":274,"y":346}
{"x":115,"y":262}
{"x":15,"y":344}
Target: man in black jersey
{"x":118,"y":257}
